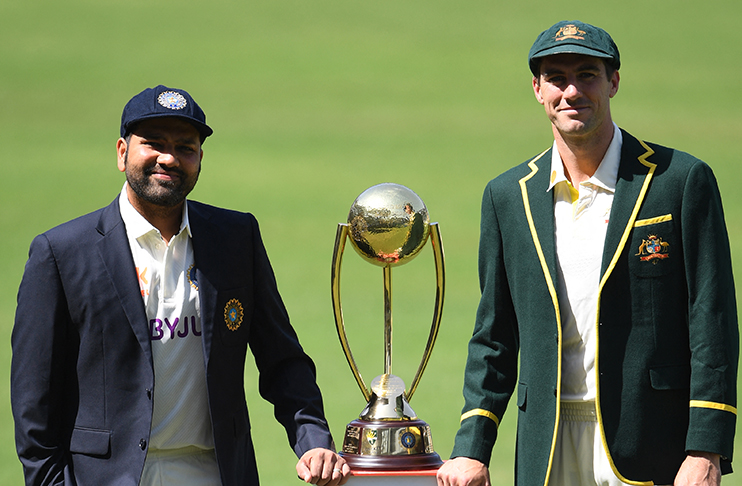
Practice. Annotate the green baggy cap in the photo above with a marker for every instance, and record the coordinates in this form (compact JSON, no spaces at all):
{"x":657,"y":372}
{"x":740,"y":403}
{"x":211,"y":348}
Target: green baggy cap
{"x":573,"y":37}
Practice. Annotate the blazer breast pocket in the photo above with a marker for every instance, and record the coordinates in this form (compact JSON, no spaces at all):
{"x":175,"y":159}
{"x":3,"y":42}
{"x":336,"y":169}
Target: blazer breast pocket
{"x":653,"y":248}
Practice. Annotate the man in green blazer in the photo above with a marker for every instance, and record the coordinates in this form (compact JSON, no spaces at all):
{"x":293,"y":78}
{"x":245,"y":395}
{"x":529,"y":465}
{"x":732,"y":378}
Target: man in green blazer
{"x":605,"y":262}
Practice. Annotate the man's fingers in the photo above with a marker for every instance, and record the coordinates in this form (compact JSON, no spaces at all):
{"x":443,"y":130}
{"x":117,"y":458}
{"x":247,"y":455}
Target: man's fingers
{"x":323,"y":467}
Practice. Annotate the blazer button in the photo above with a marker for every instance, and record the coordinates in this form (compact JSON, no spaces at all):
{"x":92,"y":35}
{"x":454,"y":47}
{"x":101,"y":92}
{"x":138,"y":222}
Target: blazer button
{"x":149,"y":393}
{"x":142,"y":444}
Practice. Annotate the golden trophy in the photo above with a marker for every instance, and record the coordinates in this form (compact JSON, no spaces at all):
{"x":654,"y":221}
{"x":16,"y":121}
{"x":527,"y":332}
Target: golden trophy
{"x":388,"y":225}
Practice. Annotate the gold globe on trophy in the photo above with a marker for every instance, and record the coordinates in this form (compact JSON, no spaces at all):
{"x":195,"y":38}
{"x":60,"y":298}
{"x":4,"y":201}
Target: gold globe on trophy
{"x":388,"y":225}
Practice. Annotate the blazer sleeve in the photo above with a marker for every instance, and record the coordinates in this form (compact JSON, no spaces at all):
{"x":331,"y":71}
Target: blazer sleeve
{"x":491,"y":367}
{"x":712,"y":316}
{"x":37,"y":370}
{"x":287,"y":374}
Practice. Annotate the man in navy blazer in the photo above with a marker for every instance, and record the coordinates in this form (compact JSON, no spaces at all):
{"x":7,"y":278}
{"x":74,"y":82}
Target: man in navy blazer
{"x":133,"y":324}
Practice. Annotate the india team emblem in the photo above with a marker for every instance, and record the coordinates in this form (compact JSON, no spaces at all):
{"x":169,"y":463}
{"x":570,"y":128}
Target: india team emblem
{"x":172,"y":100}
{"x":233,"y":314}
{"x":653,"y":249}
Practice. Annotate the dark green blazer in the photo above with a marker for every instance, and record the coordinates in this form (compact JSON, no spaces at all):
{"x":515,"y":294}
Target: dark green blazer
{"x":667,"y":347}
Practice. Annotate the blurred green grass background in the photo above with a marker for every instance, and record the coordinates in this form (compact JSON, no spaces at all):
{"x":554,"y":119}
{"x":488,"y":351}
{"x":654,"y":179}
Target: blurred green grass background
{"x":313,"y":102}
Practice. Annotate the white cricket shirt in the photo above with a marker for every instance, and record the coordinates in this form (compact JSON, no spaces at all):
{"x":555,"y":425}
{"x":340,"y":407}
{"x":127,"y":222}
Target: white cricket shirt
{"x":170,"y":293}
{"x":580,"y":219}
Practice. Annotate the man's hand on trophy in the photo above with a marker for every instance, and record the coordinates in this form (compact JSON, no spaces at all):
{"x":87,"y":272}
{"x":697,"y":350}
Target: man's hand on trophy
{"x":322,"y":467}
{"x":463,"y":471}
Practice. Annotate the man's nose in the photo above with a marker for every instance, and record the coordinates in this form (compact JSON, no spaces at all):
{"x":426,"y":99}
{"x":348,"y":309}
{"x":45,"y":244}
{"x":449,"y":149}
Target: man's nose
{"x":572,"y":91}
{"x":167,"y":158}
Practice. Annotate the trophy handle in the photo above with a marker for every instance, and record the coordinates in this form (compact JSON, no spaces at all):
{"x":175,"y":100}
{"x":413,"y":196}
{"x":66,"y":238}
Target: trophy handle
{"x":440,"y":277}
{"x":337,"y":258}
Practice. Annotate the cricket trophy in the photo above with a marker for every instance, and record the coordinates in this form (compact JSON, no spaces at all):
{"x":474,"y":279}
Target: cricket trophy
{"x":388,"y":225}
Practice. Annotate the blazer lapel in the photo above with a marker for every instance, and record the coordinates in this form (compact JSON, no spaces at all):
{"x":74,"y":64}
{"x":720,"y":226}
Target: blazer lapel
{"x":114,"y":250}
{"x":539,"y":208}
{"x":207,"y":267}
{"x":634,"y":175}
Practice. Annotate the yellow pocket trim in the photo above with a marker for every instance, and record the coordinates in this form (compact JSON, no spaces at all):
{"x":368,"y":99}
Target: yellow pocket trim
{"x":658,"y":219}
{"x":483,"y":413}
{"x":714,"y":405}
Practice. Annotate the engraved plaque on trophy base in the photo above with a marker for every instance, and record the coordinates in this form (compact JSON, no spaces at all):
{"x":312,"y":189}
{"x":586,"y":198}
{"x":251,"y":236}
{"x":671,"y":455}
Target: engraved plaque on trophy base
{"x":385,"y":445}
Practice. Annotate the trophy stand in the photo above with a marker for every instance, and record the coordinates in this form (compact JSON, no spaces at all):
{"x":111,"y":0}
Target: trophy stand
{"x":386,"y":230}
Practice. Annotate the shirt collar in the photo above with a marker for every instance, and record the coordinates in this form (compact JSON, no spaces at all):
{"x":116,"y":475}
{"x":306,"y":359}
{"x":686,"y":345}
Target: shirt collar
{"x":136,"y":224}
{"x":607,"y":173}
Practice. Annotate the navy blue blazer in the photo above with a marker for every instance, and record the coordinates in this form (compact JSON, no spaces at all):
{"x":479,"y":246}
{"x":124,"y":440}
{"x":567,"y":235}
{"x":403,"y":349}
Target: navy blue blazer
{"x":82,"y":377}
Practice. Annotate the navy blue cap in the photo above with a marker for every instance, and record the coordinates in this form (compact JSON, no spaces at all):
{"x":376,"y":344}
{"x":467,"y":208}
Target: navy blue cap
{"x":573,"y":37}
{"x":162,"y":101}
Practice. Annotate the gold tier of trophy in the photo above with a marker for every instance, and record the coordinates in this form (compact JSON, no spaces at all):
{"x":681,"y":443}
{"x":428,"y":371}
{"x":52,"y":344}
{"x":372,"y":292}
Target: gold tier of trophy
{"x":388,"y":225}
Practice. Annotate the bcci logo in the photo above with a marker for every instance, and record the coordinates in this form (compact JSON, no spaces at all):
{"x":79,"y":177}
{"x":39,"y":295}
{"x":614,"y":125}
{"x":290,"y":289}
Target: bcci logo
{"x":172,"y":100}
{"x":233,"y":314}
{"x":653,"y":249}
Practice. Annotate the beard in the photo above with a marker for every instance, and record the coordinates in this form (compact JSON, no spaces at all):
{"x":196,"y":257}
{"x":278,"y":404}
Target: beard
{"x":158,"y":192}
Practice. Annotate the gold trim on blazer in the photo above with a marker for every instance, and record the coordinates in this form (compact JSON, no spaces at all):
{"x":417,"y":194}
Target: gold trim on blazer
{"x":554,"y":300}
{"x":716,"y":406}
{"x":483,"y":413}
{"x":629,"y":226}
{"x":658,"y":219}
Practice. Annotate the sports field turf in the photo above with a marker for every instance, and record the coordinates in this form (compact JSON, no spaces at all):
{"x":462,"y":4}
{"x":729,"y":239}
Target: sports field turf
{"x":314,"y":101}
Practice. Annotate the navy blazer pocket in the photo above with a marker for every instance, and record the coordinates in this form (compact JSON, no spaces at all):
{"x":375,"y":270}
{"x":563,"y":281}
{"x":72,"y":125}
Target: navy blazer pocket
{"x":93,"y":442}
{"x":671,"y":377}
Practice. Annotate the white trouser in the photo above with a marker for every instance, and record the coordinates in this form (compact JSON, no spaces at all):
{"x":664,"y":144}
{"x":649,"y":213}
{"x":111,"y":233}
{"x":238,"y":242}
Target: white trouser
{"x":189,"y":466}
{"x":580,"y":458}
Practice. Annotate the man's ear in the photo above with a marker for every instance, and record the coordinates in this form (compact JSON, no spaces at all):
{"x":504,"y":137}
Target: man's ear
{"x":614,"y":83}
{"x":537,"y":90}
{"x":121,"y":149}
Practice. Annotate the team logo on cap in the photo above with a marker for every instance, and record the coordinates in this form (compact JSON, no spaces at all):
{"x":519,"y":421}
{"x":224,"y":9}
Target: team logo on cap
{"x":233,"y":314}
{"x":172,"y":100}
{"x":569,"y":32}
{"x":653,"y":249}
